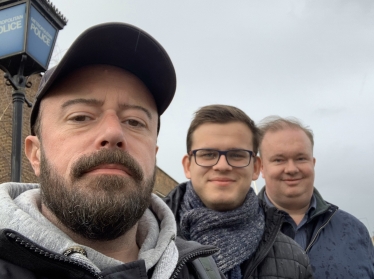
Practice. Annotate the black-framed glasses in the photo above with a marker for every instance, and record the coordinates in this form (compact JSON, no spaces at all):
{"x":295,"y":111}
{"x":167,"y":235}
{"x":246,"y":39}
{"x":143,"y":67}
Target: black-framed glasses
{"x":238,"y":158}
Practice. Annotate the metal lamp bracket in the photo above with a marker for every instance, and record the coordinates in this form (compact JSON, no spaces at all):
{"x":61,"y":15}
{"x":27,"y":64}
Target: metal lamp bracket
{"x":19,"y":83}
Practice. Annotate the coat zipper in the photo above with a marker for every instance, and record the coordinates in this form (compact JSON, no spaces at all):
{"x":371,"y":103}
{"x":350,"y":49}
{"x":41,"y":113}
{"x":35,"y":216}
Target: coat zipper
{"x":318,"y":232}
{"x":189,"y":257}
{"x":49,"y":255}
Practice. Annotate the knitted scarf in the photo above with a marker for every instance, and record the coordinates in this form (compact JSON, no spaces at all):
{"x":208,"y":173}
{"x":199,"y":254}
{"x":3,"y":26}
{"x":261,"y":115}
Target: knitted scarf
{"x":236,"y":233}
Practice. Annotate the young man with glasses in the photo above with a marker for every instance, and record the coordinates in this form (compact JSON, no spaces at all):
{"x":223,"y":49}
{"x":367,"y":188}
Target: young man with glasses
{"x":219,"y":207}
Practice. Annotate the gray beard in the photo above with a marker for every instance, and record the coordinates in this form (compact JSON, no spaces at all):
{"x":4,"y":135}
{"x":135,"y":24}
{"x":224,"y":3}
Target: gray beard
{"x":101,"y":207}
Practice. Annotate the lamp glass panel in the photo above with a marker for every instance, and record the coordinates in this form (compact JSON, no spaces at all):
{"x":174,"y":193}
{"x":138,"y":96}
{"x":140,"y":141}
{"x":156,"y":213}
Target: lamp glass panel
{"x":40,"y":37}
{"x":12,"y":27}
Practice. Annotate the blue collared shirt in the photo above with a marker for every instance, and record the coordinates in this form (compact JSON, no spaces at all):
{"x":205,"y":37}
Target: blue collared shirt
{"x":298,"y":233}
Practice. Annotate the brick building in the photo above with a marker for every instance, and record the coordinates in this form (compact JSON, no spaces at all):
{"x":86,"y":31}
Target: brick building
{"x":164,"y":183}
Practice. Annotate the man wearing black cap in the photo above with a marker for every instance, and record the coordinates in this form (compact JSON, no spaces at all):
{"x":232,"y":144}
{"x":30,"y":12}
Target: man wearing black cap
{"x":93,"y":144}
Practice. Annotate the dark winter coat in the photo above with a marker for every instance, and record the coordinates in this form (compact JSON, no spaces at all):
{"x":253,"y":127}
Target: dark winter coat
{"x":338,"y":244}
{"x":277,"y":256}
{"x":20,"y":258}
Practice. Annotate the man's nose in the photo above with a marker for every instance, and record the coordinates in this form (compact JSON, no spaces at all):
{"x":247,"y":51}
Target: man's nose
{"x":111,"y":132}
{"x":222,"y":164}
{"x":291,"y":167}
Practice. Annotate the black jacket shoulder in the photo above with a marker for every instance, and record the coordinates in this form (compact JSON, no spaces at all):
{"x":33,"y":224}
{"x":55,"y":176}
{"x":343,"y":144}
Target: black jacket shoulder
{"x":20,"y":258}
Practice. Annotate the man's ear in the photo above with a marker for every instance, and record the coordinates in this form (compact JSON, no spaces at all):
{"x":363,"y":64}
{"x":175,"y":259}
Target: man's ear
{"x":186,"y":166}
{"x":32,"y":151}
{"x":262,"y":170}
{"x":256,"y":168}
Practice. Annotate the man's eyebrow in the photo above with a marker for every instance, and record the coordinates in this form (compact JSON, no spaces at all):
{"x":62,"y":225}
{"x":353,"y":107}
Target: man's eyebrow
{"x":303,"y":154}
{"x":277,"y":155}
{"x":95,"y":102}
{"x":91,"y":102}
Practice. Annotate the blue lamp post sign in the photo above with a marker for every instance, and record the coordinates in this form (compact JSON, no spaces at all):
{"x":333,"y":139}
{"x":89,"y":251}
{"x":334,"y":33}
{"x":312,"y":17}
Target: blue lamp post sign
{"x":28,"y":32}
{"x":41,"y":38}
{"x":12,"y":29}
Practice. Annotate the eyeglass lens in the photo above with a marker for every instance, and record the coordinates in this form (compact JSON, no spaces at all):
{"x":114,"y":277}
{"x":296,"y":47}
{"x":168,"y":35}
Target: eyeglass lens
{"x":235,"y":158}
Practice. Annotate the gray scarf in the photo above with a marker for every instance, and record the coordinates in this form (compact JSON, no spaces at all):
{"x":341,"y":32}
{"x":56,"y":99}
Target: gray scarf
{"x":237,"y":232}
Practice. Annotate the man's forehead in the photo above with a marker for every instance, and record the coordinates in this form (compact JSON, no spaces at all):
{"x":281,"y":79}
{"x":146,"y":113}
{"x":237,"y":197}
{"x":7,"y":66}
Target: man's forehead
{"x":96,"y":84}
{"x":220,"y":127}
{"x":229,"y":129}
{"x":287,"y":135}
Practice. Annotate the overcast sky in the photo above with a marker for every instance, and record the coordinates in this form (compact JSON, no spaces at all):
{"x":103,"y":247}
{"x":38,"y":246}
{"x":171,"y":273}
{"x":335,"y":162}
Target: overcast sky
{"x":313,"y":60}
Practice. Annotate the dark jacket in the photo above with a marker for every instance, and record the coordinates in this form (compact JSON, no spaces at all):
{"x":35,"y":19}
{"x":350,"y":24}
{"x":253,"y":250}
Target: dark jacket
{"x":20,"y":258}
{"x":338,"y":244}
{"x":277,"y":256}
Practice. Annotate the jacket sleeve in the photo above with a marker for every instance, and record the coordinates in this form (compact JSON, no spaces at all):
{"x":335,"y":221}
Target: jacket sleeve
{"x":309,"y":273}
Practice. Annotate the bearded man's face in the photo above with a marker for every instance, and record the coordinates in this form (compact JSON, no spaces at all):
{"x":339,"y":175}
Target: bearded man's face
{"x":103,"y":207}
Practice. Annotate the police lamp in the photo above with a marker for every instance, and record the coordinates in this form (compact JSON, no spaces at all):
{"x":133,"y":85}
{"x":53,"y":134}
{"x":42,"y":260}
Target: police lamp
{"x":28,"y":32}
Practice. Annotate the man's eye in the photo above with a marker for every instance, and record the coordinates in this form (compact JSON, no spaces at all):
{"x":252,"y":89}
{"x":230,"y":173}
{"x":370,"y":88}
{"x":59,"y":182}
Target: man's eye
{"x":80,"y":118}
{"x":238,"y":155}
{"x":134,"y":123}
{"x":207,"y":155}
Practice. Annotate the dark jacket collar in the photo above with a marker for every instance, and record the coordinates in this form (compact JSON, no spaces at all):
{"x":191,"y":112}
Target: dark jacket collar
{"x":321,"y":207}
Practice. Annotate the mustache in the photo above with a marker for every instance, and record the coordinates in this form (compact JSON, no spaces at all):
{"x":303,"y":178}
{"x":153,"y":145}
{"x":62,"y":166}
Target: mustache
{"x":106,"y":156}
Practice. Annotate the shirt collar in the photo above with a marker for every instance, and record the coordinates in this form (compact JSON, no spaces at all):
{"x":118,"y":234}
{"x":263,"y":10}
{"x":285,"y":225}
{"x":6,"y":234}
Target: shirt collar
{"x":312,"y":205}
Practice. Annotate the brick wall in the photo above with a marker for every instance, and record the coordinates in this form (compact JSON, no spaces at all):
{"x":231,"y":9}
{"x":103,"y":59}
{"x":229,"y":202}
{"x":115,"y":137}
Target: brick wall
{"x":6,"y":113}
{"x":164,"y":183}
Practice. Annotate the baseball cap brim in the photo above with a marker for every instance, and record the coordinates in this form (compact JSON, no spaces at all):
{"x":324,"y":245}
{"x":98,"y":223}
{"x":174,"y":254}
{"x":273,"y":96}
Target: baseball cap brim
{"x":121,"y":45}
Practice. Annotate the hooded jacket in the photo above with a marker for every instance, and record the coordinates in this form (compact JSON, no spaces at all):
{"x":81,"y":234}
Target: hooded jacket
{"x":32,"y":247}
{"x":277,"y":256}
{"x":338,"y":244}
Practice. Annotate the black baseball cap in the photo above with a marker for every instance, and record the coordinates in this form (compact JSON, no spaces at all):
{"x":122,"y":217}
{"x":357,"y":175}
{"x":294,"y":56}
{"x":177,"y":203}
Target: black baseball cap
{"x":121,"y":45}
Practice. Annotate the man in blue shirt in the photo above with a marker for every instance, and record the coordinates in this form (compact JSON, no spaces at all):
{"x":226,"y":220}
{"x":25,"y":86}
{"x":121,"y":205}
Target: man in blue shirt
{"x":337,"y":243}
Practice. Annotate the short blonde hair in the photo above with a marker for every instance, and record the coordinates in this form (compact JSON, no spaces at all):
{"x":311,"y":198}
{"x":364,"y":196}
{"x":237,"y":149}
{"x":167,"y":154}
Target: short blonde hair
{"x":275,"y":123}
